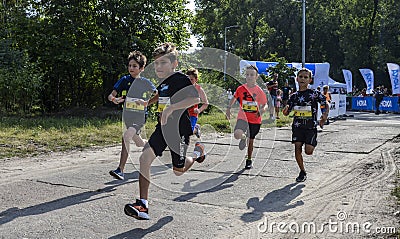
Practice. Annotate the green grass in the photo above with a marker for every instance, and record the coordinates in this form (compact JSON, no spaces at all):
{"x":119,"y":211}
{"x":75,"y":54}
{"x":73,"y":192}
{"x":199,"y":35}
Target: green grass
{"x":26,"y":137}
{"x":31,"y":136}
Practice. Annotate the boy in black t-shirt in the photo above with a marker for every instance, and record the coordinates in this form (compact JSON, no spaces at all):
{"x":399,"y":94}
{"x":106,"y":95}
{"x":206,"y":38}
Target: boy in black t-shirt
{"x":176,"y":93}
{"x":304,"y":103}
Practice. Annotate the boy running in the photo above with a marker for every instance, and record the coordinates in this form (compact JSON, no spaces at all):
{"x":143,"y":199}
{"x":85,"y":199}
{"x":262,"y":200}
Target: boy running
{"x":253,"y":103}
{"x":304,"y":103}
{"x":134,"y":112}
{"x":175,"y":94}
{"x":194,"y":111}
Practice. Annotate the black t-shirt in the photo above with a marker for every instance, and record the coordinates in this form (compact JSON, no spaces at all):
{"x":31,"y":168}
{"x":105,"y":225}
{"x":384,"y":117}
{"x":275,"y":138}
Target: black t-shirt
{"x":273,"y":87}
{"x":173,"y":89}
{"x":305,"y":106}
{"x":285,"y":92}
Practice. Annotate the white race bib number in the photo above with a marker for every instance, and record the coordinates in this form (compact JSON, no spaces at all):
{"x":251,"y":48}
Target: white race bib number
{"x":133,"y":104}
{"x":303,"y":111}
{"x":162,"y":103}
{"x":249,"y":106}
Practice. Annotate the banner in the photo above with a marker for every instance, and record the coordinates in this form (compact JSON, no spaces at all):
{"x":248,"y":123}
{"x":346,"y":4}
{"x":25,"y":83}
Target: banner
{"x":394,"y":77}
{"x":348,"y":77}
{"x":368,"y":76}
{"x":389,"y":104}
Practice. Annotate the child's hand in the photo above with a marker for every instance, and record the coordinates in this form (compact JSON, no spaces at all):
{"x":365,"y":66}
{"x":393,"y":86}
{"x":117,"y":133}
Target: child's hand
{"x":285,"y":110}
{"x":118,"y":100}
{"x":165,"y":114}
{"x":141,"y":102}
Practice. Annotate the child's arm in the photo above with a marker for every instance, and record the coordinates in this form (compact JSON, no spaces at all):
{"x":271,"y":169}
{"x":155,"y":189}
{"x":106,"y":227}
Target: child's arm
{"x":228,"y":108}
{"x":112,"y":97}
{"x":153,"y":99}
{"x":203,"y":100}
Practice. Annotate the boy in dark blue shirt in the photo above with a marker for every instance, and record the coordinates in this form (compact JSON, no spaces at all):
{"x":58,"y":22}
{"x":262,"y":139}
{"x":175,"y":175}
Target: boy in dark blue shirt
{"x":304,"y":103}
{"x":134,"y":114}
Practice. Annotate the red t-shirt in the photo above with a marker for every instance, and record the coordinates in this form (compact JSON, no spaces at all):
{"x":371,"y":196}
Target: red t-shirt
{"x":191,"y":109}
{"x":250,"y":100}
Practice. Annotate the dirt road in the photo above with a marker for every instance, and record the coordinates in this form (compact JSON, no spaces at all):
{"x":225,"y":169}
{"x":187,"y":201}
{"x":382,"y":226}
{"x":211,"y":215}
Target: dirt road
{"x":347,"y":194}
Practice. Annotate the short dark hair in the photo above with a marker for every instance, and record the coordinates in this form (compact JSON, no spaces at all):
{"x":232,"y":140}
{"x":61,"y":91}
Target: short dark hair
{"x":138,"y":57}
{"x":193,"y":71}
{"x":168,"y":49}
{"x":305,"y":70}
{"x":252,"y":67}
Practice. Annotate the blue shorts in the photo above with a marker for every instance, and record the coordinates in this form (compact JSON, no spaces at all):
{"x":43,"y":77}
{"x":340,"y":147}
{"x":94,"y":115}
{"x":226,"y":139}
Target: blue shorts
{"x":193,"y":121}
{"x":274,"y":100}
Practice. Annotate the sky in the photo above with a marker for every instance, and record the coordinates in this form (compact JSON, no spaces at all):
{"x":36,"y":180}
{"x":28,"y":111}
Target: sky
{"x":191,"y":6}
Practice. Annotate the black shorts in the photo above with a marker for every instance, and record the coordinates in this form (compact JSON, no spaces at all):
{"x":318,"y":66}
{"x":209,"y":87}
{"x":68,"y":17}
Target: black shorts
{"x":307,"y":136}
{"x":178,"y":151}
{"x":250,"y":129}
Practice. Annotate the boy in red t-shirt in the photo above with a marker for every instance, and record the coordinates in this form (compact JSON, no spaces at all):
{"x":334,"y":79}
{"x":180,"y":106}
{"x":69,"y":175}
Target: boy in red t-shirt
{"x":253,"y":103}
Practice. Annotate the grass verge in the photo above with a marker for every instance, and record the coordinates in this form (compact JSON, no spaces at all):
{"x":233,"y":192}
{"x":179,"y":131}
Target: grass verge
{"x":26,"y":137}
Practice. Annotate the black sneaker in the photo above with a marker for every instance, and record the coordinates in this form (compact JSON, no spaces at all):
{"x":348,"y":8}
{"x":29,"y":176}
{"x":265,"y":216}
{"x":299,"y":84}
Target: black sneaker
{"x":137,"y":210}
{"x":302,"y":176}
{"x":117,"y":174}
{"x":242,"y":143}
{"x":249,"y":164}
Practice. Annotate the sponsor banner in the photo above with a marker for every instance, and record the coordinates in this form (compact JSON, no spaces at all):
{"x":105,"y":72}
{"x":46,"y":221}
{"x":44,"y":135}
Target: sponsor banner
{"x":390,"y":104}
{"x":337,"y":107}
{"x":394,"y":77}
{"x":368,"y":76}
{"x":334,"y":109}
{"x":348,"y":77}
{"x":342,"y":104}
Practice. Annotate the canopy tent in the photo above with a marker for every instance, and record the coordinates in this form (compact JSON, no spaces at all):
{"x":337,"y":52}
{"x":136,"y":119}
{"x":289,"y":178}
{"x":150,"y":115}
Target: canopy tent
{"x":320,"y":71}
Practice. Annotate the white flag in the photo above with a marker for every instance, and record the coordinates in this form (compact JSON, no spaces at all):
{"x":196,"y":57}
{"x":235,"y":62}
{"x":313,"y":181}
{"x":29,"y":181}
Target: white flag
{"x":368,"y":76}
{"x":348,"y":77}
{"x":394,"y":77}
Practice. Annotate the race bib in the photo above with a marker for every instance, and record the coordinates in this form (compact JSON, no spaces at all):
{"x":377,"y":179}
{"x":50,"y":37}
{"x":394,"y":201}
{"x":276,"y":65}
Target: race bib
{"x":249,"y":106}
{"x":162,"y":103}
{"x":131,"y":104}
{"x":303,"y":111}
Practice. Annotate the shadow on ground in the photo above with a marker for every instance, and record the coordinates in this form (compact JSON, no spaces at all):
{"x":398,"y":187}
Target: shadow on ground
{"x":141,"y":233}
{"x":276,"y":201}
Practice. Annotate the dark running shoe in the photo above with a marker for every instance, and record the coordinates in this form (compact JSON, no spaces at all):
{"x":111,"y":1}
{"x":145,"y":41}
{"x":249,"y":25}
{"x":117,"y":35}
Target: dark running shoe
{"x":198,"y":131}
{"x":242,"y":143}
{"x":117,"y":174}
{"x":137,"y":210}
{"x":302,"y":176}
{"x":249,"y":164}
{"x":199,"y":150}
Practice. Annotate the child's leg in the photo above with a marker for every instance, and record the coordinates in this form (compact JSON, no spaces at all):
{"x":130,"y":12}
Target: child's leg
{"x":124,"y":154}
{"x":146,"y":159}
{"x":254,"y":129}
{"x":188,"y":164}
{"x":128,"y":135}
{"x":309,"y":149}
{"x":189,"y":161}
{"x":297,"y":153}
{"x":250,"y":148}
{"x":238,"y":134}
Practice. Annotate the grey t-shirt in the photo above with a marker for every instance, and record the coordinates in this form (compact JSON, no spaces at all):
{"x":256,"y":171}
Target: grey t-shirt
{"x":141,"y":88}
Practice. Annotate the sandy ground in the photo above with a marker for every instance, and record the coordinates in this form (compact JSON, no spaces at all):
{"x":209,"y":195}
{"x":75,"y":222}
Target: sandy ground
{"x":351,"y":175}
